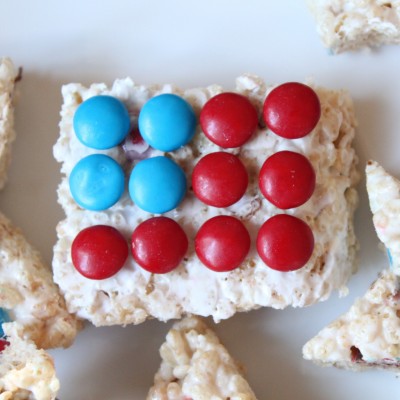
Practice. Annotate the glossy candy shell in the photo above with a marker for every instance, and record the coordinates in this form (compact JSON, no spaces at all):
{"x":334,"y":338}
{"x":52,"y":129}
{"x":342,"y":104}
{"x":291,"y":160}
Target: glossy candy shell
{"x":97,"y":182}
{"x":157,"y":184}
{"x":101,"y":122}
{"x":167,"y":122}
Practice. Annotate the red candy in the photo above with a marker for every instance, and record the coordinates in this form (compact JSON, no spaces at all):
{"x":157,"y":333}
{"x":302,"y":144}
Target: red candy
{"x":285,"y":243}
{"x":287,"y":179}
{"x":99,"y":252}
{"x":228,"y":119}
{"x":159,"y":245}
{"x":222,"y":243}
{"x":219,"y":179}
{"x":292,"y":110}
{"x":3,"y":344}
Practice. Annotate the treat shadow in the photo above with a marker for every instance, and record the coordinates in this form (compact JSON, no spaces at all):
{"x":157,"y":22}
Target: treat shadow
{"x":111,"y":362}
{"x":270,"y":350}
{"x":369,"y":144}
{"x":371,"y":114}
{"x":29,"y":198}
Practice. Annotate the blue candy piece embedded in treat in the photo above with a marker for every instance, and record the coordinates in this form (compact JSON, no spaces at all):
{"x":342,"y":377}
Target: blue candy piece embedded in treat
{"x":97,"y":182}
{"x":101,"y":122}
{"x":157,"y":184}
{"x":389,"y":257}
{"x":4,"y":317}
{"x":167,"y":122}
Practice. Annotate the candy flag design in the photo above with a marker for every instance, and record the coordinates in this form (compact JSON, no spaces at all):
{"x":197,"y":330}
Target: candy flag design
{"x":158,"y":185}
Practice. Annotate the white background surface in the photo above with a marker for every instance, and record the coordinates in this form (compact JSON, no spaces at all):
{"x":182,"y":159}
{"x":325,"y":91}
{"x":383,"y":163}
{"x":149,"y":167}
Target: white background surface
{"x":191,"y":44}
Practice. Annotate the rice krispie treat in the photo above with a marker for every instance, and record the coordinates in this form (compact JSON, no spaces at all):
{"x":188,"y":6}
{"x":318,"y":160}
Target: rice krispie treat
{"x":29,"y":295}
{"x":8,"y":76}
{"x":384,"y":199}
{"x":203,"y":201}
{"x":350,"y":25}
{"x":196,"y":366}
{"x":26,"y":373}
{"x":368,"y":335}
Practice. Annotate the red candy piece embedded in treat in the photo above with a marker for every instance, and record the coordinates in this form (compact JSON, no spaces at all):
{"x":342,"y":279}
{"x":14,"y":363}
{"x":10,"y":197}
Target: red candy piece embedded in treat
{"x":135,"y":147}
{"x":99,"y":252}
{"x":222,"y":243}
{"x":219,"y":179}
{"x":292,"y":110}
{"x":159,"y":244}
{"x":285,"y":243}
{"x":228,"y":119}
{"x":287,"y":179}
{"x":3,"y":344}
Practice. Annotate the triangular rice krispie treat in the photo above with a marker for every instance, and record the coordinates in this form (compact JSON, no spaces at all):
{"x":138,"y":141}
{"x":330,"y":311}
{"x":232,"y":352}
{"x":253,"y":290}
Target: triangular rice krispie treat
{"x":248,"y":242}
{"x":28,"y":294}
{"x":368,"y":335}
{"x":8,"y":76}
{"x":384,"y":199}
{"x":26,"y":373}
{"x":196,"y":366}
{"x":27,"y":291}
{"x":349,"y":25}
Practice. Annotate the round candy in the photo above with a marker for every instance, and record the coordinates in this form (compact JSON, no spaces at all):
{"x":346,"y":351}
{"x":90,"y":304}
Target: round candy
{"x":222,"y":243}
{"x":285,"y":243}
{"x":167,"y":122}
{"x":287,"y":179}
{"x":219,"y":179}
{"x":159,"y":245}
{"x":3,"y":344}
{"x":99,"y":252}
{"x":292,"y":110}
{"x":228,"y":119}
{"x":157,"y":184}
{"x":97,"y":182}
{"x":101,"y":122}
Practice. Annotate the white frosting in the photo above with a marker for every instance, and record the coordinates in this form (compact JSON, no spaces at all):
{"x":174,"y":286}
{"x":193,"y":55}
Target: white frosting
{"x":384,"y":198}
{"x":372,"y":325}
{"x":133,"y":294}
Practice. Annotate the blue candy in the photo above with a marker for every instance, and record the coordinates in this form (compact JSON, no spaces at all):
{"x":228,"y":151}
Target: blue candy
{"x":4,"y":317}
{"x":101,"y":122}
{"x":167,"y":122}
{"x":157,"y":184}
{"x":97,"y":182}
{"x":389,"y":257}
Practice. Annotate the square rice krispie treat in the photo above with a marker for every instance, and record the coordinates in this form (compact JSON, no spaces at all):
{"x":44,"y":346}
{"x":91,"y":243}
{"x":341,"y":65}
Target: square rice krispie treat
{"x":350,"y":25}
{"x":384,"y":199}
{"x":203,"y":201}
{"x":195,"y":365}
{"x":27,"y":291}
{"x":368,"y":335}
